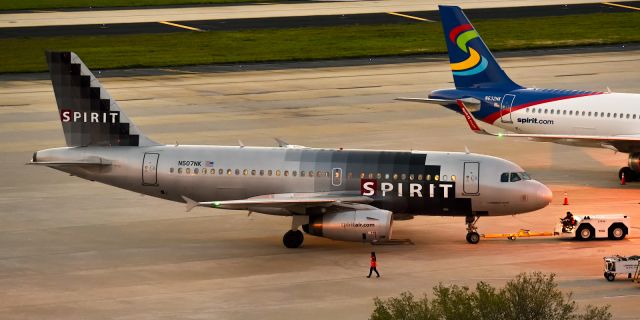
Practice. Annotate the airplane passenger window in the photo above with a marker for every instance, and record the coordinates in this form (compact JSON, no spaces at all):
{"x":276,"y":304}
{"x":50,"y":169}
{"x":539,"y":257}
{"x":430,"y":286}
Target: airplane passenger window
{"x":262,"y":172}
{"x":615,"y":115}
{"x":294,"y":173}
{"x":545,"y":111}
{"x":403,"y":176}
{"x":453,"y":178}
{"x":361,"y":175}
{"x":311,"y":173}
{"x":253,"y":172}
{"x":551,"y":111}
{"x":627,"y":116}
{"x":170,"y":170}
{"x":444,"y":177}
{"x":221,"y":171}
{"x":326,"y":174}
{"x":286,"y":173}
{"x":504,"y":177}
{"x":187,"y":171}
{"x":436,"y":178}
{"x":589,"y":114}
{"x":427,"y":177}
{"x":411,"y":177}
{"x":278,"y":172}
{"x":419,"y":177}
{"x":204,"y":170}
{"x":608,"y":114}
{"x":564,"y":112}
{"x":302,"y":173}
{"x":213,"y":171}
{"x":570,"y":112}
{"x":179,"y":170}
{"x":515,"y":177}
{"x":245,"y":172}
{"x":386,"y":176}
{"x":378,"y":175}
{"x":395,"y":176}
{"x":583,"y":113}
{"x":370,"y":175}
{"x":601,"y":114}
{"x":634,"y":116}
{"x":237,"y":172}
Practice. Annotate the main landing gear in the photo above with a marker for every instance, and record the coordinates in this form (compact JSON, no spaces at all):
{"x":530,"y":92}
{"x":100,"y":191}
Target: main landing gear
{"x":294,"y":237}
{"x":473,"y":236}
{"x":629,"y":174}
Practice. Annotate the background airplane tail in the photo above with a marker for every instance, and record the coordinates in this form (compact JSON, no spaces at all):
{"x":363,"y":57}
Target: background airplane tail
{"x":88,"y":114}
{"x":472,"y":63}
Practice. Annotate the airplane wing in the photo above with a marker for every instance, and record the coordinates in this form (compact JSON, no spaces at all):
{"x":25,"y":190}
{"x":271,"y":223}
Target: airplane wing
{"x":472,"y":104}
{"x":283,"y":201}
{"x":617,"y":143}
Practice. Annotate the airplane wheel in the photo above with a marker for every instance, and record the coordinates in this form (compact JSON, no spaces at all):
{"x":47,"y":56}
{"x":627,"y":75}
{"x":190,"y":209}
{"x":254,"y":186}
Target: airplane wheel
{"x":473,"y":237}
{"x":293,"y":239}
{"x":629,"y":175}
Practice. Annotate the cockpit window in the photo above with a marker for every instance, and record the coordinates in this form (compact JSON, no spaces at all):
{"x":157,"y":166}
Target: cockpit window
{"x":514,"y":176}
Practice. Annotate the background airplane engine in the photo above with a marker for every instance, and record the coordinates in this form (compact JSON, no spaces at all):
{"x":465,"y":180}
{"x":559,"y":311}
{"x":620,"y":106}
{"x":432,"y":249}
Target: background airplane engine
{"x":634,"y":162}
{"x":357,"y":225}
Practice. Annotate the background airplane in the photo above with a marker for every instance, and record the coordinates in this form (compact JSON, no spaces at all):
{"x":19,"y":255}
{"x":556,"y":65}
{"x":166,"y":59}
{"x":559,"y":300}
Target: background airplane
{"x":571,"y":117}
{"x":338,"y":194}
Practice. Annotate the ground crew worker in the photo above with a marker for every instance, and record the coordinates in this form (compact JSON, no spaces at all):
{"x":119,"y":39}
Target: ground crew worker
{"x":568,"y":221}
{"x":373,"y":265}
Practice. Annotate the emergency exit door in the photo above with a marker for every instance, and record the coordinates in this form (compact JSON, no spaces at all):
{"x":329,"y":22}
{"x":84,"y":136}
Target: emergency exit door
{"x":471,"y":181}
{"x":150,"y":169}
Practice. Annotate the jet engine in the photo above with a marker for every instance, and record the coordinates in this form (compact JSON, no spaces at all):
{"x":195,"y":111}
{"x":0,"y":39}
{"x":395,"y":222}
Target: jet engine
{"x":358,"y":225}
{"x":634,"y":162}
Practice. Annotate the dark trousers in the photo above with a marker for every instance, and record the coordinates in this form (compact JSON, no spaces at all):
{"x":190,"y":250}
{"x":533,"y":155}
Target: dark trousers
{"x":373,"y":269}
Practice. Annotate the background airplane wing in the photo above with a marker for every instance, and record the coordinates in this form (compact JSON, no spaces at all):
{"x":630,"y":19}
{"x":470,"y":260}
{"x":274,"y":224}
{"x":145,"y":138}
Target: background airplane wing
{"x":290,"y":200}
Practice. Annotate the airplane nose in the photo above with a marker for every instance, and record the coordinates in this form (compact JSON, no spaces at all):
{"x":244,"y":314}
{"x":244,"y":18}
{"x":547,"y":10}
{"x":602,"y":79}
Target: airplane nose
{"x":544,"y":195}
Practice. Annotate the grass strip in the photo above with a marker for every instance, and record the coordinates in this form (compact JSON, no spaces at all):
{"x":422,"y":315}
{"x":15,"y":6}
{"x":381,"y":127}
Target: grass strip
{"x":189,"y":48}
{"x":68,"y":4}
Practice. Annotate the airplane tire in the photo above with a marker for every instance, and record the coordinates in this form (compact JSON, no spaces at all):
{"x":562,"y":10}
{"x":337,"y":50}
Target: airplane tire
{"x":473,"y":237}
{"x":293,"y":239}
{"x":629,"y":175}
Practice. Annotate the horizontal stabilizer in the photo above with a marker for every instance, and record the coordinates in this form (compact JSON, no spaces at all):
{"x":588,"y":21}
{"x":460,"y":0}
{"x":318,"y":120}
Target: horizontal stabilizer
{"x":472,"y":104}
{"x":88,"y":162}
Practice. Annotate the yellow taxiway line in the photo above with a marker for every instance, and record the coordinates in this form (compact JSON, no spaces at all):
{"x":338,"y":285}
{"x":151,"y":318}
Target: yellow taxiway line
{"x":409,"y":17}
{"x":180,"y":26}
{"x":621,"y":6}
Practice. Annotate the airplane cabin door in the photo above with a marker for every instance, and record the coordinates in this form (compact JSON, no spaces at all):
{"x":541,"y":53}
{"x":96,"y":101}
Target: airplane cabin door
{"x":471,"y":181}
{"x":150,"y":169}
{"x":505,"y":108}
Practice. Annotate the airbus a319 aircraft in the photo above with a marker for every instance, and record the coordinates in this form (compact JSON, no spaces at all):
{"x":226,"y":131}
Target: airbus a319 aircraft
{"x":339,"y":194}
{"x":579,"y":118}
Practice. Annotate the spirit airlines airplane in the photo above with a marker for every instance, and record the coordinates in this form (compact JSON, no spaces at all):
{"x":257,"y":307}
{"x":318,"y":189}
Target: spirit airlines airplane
{"x":579,"y":118}
{"x":339,"y":194}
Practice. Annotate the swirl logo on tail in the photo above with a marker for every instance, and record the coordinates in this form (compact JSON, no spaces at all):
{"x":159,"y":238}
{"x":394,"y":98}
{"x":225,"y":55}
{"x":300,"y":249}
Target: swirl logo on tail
{"x":475,"y":63}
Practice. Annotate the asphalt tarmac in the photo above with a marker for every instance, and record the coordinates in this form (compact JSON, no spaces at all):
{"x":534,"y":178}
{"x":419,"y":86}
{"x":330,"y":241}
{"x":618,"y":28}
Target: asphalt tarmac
{"x":263,"y":10}
{"x":76,"y":249}
{"x":310,"y":21}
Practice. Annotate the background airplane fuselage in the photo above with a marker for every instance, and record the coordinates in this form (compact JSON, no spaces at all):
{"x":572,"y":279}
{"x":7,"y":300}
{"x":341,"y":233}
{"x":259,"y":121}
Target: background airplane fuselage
{"x":549,"y":111}
{"x":430,"y":183}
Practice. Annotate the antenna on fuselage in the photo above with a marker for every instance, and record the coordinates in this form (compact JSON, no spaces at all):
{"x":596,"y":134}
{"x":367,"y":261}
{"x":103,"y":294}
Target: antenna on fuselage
{"x":240,"y":143}
{"x":466,"y":150}
{"x":281,"y":143}
{"x":608,"y":89}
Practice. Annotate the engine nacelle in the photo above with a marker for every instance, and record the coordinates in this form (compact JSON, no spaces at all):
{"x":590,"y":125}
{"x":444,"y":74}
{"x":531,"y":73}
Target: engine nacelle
{"x":634,"y":162}
{"x":357,"y":225}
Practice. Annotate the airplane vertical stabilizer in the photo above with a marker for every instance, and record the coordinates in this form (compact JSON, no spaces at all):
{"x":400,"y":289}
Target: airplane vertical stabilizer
{"x":472,"y":63}
{"x":88,"y":114}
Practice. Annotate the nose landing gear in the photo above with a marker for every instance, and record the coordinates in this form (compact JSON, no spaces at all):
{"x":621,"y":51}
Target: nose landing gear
{"x":473,"y":236}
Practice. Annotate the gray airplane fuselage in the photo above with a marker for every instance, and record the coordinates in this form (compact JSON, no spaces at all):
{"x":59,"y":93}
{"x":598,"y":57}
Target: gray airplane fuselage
{"x":407,"y":182}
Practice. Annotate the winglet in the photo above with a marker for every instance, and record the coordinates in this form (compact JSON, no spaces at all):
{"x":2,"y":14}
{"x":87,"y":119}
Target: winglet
{"x":190,"y":203}
{"x":470,"y":120}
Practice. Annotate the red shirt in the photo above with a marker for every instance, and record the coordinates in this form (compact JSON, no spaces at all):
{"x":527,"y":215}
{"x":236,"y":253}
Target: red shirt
{"x":373,"y":262}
